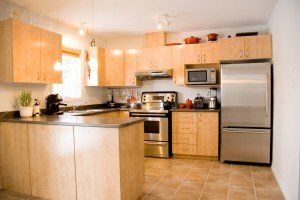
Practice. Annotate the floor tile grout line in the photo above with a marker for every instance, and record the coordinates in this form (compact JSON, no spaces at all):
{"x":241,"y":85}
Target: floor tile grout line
{"x":253,"y":182}
{"x":183,"y":179}
{"x":158,"y":180}
{"x":206,"y":180}
{"x":229,"y":181}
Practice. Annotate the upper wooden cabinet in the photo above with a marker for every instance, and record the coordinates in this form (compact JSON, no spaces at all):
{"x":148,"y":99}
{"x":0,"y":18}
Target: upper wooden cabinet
{"x":115,"y":67}
{"x":51,"y":53}
{"x":95,"y":72}
{"x":257,"y":47}
{"x":232,"y":48}
{"x":251,"y":47}
{"x":147,"y":59}
{"x":211,"y":52}
{"x":192,"y":53}
{"x":132,"y":62}
{"x":28,"y":54}
{"x":178,"y":65}
{"x":163,"y":57}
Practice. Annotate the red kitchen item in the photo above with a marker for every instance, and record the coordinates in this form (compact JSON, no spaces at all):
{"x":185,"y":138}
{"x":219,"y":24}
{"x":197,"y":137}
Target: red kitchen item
{"x":192,"y":40}
{"x":181,"y":106}
{"x":189,"y":103}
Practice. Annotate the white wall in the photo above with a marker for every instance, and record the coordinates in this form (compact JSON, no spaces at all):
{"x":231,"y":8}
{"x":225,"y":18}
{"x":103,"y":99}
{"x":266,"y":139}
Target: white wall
{"x":70,"y":38}
{"x":167,"y":85}
{"x":285,"y":27}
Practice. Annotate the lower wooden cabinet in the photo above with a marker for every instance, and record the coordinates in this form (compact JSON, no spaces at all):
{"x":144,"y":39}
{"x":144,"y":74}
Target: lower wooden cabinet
{"x":195,"y":133}
{"x":52,"y":161}
{"x":14,"y":158}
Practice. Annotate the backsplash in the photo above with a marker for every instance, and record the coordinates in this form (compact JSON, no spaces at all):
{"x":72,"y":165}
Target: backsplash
{"x":184,"y":92}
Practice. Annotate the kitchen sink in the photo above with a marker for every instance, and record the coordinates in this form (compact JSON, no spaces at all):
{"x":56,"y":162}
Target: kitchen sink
{"x":84,"y":112}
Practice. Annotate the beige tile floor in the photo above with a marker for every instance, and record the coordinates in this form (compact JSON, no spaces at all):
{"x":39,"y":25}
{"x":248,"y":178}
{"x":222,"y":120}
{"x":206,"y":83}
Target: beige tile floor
{"x":187,"y":179}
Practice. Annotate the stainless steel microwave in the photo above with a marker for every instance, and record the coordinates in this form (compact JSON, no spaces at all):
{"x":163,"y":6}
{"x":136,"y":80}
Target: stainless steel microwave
{"x":201,"y":76}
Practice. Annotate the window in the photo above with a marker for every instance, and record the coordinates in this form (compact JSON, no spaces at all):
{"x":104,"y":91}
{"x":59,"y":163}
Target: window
{"x":71,"y":77}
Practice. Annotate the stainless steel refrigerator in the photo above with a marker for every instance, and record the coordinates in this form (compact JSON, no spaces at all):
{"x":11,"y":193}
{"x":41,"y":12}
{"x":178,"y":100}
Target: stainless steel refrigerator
{"x":246,"y":112}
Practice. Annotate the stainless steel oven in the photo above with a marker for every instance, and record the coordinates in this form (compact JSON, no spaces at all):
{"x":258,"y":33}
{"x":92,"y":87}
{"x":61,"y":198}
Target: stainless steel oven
{"x":157,"y":126}
{"x":201,"y":76}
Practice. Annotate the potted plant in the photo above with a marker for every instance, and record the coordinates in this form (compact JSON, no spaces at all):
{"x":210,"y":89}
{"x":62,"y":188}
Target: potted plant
{"x":25,"y":101}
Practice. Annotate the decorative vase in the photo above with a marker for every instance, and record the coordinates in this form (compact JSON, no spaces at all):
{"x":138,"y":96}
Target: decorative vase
{"x":26,"y":111}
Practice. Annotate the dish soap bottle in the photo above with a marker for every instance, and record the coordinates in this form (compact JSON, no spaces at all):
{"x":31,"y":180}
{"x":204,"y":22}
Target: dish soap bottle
{"x":36,"y":108}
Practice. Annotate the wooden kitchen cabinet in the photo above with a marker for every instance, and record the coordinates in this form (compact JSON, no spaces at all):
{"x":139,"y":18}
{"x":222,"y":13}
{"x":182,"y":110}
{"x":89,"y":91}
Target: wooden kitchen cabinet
{"x":178,"y":65}
{"x":208,"y":133}
{"x":195,"y":133}
{"x":163,"y":57}
{"x":211,"y":52}
{"x":14,"y":157}
{"x":245,"y":48}
{"x":148,"y":58}
{"x":52,"y":165}
{"x":192,"y":53}
{"x":132,"y":62}
{"x":28,"y":53}
{"x":232,"y":48}
{"x":115,"y":67}
{"x":258,"y":47}
{"x":95,"y":75}
{"x":51,"y":53}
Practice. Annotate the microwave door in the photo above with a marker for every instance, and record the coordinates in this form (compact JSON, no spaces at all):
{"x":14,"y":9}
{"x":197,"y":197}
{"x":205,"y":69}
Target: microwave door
{"x":197,"y":77}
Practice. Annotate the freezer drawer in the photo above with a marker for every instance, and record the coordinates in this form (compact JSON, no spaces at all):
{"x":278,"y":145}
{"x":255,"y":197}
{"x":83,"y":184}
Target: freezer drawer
{"x":246,"y":145}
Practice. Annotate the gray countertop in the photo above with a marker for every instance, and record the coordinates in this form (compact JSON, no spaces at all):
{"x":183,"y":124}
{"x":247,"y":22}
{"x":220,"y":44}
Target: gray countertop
{"x":195,"y":110}
{"x":66,"y":120}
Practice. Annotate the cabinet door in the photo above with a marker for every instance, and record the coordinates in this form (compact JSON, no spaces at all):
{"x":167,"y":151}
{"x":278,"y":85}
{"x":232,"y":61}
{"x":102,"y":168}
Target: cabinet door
{"x":95,"y":75}
{"x":210,"y":52}
{"x":51,"y":53}
{"x":148,"y":57}
{"x":178,"y":65}
{"x":232,"y":48}
{"x":163,"y":57}
{"x":192,"y":53}
{"x":258,"y":47}
{"x":52,"y":161}
{"x":14,"y":157}
{"x":131,"y":66}
{"x":26,"y":52}
{"x":208,"y":133}
{"x":115,"y":67}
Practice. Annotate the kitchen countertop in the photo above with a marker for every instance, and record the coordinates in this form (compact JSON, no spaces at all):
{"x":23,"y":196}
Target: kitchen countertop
{"x":195,"y":110}
{"x":67,"y":120}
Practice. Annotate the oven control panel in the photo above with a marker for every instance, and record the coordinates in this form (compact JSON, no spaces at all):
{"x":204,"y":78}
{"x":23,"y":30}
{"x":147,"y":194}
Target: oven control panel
{"x":159,"y":97}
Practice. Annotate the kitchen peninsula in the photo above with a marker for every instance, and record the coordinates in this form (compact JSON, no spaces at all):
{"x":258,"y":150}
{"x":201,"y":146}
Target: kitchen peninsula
{"x":73,"y":157}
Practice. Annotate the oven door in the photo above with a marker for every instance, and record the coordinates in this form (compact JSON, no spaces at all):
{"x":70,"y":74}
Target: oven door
{"x":156,"y":129}
{"x":197,"y":76}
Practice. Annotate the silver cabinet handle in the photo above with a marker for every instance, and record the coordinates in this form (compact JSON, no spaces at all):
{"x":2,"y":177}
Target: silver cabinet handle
{"x":267,"y":95}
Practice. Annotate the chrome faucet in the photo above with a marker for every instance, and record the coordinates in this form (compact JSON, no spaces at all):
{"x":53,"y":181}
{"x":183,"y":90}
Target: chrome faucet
{"x":74,"y":107}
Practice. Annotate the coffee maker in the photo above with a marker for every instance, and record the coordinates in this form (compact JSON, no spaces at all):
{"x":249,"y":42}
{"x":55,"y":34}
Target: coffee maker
{"x":53,"y":101}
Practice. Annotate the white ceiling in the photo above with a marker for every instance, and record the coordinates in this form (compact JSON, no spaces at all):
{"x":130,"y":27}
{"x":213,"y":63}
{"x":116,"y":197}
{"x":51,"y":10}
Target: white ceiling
{"x":120,"y":18}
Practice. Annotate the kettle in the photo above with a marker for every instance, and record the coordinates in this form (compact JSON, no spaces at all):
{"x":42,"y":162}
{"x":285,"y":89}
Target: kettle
{"x":212,"y":103}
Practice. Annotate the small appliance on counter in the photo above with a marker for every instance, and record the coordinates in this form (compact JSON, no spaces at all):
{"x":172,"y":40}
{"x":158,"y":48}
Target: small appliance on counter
{"x":53,"y":101}
{"x":199,"y":102}
{"x":212,"y":103}
{"x":111,"y":103}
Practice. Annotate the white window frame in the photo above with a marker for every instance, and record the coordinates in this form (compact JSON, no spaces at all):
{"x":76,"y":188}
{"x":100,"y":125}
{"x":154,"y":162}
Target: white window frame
{"x":75,"y":53}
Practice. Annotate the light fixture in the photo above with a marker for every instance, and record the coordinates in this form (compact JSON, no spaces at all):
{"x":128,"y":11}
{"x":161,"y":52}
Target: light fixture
{"x":93,"y":42}
{"x":57,"y":65}
{"x":162,"y":21}
{"x":82,"y":31}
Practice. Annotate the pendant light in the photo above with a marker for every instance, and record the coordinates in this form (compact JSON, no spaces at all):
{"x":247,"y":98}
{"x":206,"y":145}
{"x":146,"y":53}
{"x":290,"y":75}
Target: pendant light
{"x":57,"y":65}
{"x":93,"y":42}
{"x":82,"y":30}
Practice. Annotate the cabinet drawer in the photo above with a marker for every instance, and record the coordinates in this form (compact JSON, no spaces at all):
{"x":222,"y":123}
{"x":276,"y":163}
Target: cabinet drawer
{"x":184,"y":117}
{"x":189,"y":149}
{"x":184,"y":138}
{"x":184,"y":127}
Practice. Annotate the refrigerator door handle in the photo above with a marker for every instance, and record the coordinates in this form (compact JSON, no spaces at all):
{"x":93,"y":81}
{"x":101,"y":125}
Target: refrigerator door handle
{"x":243,"y":131}
{"x":267,"y":94}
